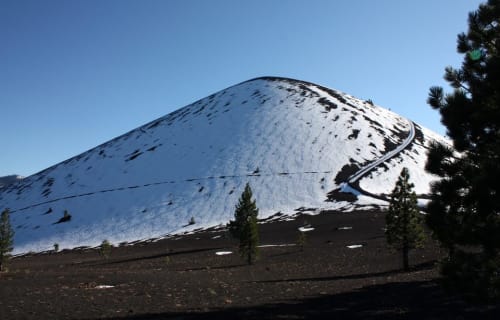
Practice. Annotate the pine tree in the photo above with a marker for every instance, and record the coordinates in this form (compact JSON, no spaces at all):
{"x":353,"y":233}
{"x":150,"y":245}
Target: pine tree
{"x":245,"y":227}
{"x":465,"y":205}
{"x":404,"y":230}
{"x":301,"y":240}
{"x":6,"y":238}
{"x":105,"y":249}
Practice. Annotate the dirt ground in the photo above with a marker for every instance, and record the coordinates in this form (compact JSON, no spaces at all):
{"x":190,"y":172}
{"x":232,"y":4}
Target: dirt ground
{"x":184,"y":278}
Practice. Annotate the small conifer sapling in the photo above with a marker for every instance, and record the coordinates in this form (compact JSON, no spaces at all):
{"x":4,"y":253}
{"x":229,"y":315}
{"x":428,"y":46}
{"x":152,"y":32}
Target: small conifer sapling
{"x":404,"y":224}
{"x":6,"y":238}
{"x":245,"y":227}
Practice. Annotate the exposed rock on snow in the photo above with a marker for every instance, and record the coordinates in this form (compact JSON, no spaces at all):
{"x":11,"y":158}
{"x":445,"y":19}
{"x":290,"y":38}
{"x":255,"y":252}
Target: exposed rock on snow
{"x":7,"y":180}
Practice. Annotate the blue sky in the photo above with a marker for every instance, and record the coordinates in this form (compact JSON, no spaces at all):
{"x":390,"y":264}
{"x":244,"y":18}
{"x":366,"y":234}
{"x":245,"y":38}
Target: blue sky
{"x":76,"y":73}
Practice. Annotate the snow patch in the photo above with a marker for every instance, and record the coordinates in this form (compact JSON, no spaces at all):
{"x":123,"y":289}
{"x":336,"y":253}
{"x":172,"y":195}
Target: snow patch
{"x":422,"y":203}
{"x":346,"y":188}
{"x":306,"y":229}
{"x":355,"y":246}
{"x":223,"y":253}
{"x":277,"y":245}
{"x":103,"y":286}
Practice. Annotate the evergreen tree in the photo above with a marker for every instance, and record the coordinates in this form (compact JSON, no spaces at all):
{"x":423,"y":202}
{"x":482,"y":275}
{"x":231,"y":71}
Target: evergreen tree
{"x":301,"y":240}
{"x":404,"y":230}
{"x":245,"y":227}
{"x":105,"y":249}
{"x":465,"y":205}
{"x":6,"y":238}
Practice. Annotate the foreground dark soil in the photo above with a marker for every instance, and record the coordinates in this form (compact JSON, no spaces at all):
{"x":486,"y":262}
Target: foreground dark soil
{"x":183,"y":278}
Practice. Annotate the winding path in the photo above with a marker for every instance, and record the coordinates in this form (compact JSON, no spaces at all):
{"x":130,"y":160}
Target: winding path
{"x":369,"y":167}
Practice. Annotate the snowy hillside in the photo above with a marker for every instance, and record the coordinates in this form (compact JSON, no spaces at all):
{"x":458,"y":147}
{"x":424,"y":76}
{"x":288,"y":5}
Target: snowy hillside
{"x":293,"y":141}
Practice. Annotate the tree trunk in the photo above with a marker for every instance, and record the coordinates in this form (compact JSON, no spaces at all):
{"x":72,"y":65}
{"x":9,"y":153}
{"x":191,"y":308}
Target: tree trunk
{"x":406,"y":265}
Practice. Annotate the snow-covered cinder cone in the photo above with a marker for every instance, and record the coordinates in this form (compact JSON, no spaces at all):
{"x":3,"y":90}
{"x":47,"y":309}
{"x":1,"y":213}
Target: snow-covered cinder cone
{"x":293,"y":141}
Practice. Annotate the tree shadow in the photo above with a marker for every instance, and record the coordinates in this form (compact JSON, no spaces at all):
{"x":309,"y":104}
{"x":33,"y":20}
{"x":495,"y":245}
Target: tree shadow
{"x":288,"y":253}
{"x":429,"y":265}
{"x":403,"y":300}
{"x":240,"y":265}
{"x":155,"y":256}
